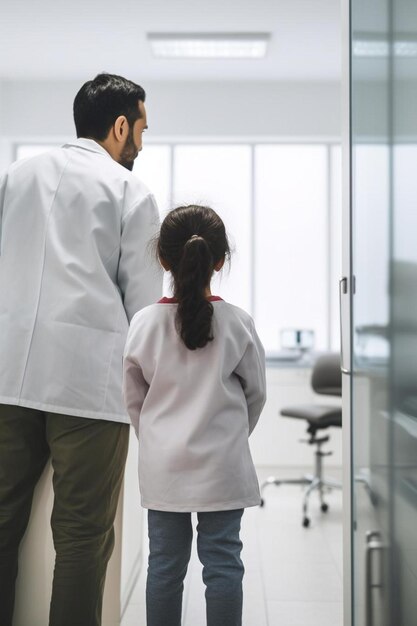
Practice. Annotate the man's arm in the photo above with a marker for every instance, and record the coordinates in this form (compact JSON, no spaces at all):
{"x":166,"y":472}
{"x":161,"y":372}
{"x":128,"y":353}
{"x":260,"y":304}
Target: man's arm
{"x":135,"y":389}
{"x":3,"y":180}
{"x":139,"y":275}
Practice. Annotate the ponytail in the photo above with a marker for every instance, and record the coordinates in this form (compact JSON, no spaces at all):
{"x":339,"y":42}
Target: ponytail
{"x":195,"y":312}
{"x":191,"y":259}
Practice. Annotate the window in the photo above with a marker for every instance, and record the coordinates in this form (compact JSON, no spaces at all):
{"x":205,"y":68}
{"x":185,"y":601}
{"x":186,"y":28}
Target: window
{"x":291,"y":257}
{"x":335,"y":243}
{"x":153,"y":167}
{"x":281,"y":204}
{"x":220,"y":177}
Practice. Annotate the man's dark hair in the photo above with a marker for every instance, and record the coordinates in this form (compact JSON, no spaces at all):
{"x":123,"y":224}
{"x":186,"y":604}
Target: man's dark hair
{"x":99,"y":103}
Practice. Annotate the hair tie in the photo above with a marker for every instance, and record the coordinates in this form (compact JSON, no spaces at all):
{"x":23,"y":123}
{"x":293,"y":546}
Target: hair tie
{"x":194,"y":237}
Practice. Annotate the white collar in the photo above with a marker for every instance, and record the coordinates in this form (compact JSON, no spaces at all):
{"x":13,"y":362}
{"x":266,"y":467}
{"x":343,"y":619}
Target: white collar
{"x":88,"y":144}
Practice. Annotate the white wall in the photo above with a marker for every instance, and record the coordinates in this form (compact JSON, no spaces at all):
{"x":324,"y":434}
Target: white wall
{"x":44,"y":108}
{"x":240,"y":109}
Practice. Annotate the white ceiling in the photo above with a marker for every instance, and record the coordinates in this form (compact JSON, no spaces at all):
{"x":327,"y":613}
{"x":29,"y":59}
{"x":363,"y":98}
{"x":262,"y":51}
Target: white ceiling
{"x":75,"y":39}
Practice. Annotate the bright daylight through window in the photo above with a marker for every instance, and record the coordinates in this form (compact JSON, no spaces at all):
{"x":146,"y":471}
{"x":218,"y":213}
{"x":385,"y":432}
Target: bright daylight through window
{"x":281,"y":204}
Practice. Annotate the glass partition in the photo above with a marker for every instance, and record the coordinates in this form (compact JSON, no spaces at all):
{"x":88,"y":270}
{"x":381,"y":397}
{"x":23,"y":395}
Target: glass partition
{"x":384,"y":312}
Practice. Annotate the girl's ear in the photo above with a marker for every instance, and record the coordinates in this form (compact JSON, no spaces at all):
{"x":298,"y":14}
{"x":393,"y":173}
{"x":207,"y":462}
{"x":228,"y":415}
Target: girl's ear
{"x":164,"y":264}
{"x":219,"y":265}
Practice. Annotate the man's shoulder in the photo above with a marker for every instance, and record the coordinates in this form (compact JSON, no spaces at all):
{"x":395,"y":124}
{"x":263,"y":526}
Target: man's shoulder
{"x":137,"y":186}
{"x":35,"y":161}
{"x":113,"y":172}
{"x":103,"y":167}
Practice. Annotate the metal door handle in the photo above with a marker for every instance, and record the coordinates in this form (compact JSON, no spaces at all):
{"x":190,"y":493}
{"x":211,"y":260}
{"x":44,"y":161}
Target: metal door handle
{"x":343,"y":284}
{"x":373,"y":545}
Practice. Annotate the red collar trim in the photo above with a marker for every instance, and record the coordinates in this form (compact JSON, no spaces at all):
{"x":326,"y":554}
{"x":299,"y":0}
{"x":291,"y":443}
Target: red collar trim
{"x":166,"y":300}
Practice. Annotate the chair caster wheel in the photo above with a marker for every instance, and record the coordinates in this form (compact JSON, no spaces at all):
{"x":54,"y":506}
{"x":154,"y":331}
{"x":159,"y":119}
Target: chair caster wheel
{"x":324,"y":507}
{"x":262,"y":503}
{"x":306,"y":522}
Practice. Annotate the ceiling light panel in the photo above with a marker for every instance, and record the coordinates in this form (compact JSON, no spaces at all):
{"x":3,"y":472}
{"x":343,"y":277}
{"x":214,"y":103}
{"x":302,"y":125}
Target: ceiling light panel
{"x":209,"y":46}
{"x":381,"y":48}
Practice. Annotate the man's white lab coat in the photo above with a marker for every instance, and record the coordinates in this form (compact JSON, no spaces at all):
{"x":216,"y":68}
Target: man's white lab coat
{"x":75,"y":266}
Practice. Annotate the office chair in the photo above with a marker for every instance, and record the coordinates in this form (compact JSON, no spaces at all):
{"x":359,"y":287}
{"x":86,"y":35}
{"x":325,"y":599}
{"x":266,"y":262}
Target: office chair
{"x":326,"y":380}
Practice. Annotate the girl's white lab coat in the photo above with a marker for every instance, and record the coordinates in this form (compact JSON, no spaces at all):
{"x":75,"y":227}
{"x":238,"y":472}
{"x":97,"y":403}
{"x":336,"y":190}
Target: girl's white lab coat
{"x":74,"y":268}
{"x":193,"y":410}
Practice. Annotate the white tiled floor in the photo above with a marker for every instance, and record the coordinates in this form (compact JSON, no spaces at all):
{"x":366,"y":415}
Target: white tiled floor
{"x":293,"y":575}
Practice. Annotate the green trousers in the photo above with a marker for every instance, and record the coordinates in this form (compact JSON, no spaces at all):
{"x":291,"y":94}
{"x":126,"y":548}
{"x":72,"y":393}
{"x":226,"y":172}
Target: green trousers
{"x":88,"y":458}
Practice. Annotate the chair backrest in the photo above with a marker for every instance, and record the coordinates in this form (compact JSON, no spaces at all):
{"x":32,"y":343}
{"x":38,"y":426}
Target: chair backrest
{"x":327,"y":376}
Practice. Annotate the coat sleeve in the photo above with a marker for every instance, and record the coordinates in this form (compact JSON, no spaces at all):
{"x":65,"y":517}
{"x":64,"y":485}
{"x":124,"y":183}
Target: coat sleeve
{"x":251,"y":372}
{"x":135,"y":389}
{"x":3,"y":180}
{"x":139,"y":275}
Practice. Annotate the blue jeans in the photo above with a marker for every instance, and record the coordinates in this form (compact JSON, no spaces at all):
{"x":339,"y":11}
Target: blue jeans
{"x":218,"y":547}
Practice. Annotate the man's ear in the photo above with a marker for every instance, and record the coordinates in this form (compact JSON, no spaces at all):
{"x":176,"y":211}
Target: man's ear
{"x":219,"y":265}
{"x":121,"y":128}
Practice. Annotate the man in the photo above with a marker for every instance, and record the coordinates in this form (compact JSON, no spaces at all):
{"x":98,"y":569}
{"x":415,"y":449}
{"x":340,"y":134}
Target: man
{"x":74,"y":268}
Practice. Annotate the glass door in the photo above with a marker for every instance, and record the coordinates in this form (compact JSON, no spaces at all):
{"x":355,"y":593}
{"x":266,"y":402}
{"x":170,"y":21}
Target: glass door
{"x":382,"y":275}
{"x":403,"y":279}
{"x":370,"y":313}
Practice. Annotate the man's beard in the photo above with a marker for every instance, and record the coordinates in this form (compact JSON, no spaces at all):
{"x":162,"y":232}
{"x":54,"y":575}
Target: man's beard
{"x":129,"y":152}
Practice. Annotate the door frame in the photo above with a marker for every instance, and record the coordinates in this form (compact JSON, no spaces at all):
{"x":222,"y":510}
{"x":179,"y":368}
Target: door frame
{"x":345,"y":309}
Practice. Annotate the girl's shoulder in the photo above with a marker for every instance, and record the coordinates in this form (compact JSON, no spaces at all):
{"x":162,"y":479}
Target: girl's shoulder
{"x":165,"y":307}
{"x":146,"y":325}
{"x":148,"y":313}
{"x":234,"y":315}
{"x":232,"y":310}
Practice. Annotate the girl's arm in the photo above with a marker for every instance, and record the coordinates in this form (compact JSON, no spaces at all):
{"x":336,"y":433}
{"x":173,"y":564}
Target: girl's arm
{"x":135,"y":389}
{"x":251,"y":372}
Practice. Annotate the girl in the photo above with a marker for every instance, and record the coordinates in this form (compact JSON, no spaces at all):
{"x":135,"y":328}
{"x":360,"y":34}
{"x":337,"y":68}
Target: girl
{"x":194,"y":387}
